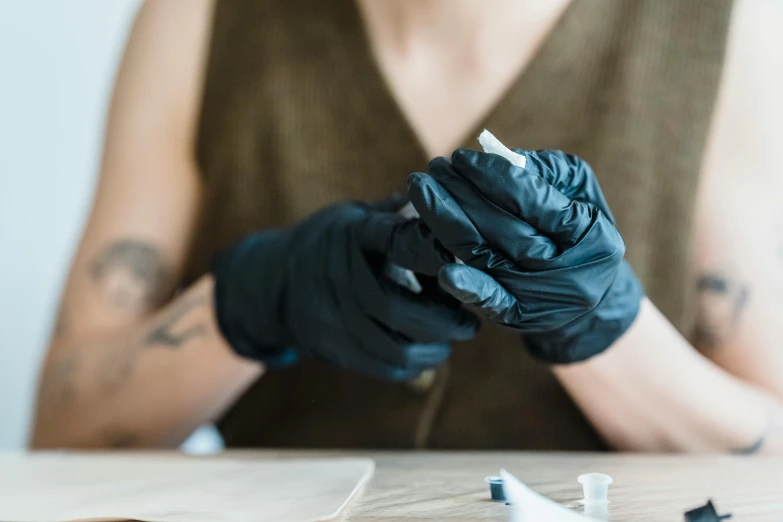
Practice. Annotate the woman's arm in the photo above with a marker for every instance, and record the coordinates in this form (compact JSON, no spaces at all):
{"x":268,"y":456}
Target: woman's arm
{"x":149,"y":384}
{"x":129,"y":365}
{"x":651,"y":390}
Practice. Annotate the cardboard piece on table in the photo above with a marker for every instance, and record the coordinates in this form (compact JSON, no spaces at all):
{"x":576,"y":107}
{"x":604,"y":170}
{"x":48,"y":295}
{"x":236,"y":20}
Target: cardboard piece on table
{"x":58,"y":487}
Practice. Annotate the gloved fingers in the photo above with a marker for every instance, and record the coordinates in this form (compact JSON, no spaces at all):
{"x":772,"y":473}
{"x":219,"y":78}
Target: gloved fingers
{"x":448,"y":220}
{"x":419,"y":319}
{"x":443,"y":216}
{"x":503,"y":301}
{"x":421,"y":356}
{"x":392,"y":203}
{"x":367,"y":320}
{"x":405,"y":242}
{"x":481,"y":292}
{"x":428,"y":356}
{"x":569,"y":174}
{"x":394,"y":349}
{"x":503,"y":231}
{"x":525,"y":195}
{"x":377,"y":340}
{"x":368,"y":365}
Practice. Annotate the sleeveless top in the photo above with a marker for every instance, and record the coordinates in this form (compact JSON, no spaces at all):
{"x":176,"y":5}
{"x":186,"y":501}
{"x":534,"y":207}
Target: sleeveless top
{"x":296,"y":116}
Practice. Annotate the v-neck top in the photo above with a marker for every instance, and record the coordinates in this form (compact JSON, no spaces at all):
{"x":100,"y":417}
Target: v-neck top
{"x":296,"y":116}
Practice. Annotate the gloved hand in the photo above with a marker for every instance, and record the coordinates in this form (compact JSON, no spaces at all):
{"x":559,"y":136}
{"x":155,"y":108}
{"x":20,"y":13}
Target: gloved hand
{"x":319,"y":290}
{"x":541,"y":250}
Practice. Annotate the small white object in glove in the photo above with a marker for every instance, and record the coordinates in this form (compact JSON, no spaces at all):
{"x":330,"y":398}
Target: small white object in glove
{"x":489,"y":144}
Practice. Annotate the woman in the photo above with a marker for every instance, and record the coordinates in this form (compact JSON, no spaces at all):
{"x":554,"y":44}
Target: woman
{"x":240,"y":116}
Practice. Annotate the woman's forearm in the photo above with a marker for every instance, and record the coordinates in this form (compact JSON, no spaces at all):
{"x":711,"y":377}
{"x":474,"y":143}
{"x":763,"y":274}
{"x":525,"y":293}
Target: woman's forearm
{"x":651,"y":391}
{"x":148,"y":385}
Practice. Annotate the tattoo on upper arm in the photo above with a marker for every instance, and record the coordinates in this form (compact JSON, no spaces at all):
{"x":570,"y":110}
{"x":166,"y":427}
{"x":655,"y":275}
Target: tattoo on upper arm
{"x":132,"y":274}
{"x":721,"y":302}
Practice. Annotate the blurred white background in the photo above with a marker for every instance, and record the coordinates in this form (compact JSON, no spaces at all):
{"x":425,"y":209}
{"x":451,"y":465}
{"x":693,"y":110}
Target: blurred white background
{"x":57,"y":65}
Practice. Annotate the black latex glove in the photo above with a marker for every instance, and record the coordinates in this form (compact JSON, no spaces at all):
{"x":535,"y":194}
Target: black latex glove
{"x":318,"y":289}
{"x":542,"y":252}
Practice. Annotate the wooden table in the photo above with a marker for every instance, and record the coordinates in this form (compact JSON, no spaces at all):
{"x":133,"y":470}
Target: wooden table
{"x":450,"y":486}
{"x":428,"y":486}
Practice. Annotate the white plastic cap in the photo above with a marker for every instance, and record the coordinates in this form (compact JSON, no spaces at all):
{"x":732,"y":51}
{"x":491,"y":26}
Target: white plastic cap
{"x":595,"y":487}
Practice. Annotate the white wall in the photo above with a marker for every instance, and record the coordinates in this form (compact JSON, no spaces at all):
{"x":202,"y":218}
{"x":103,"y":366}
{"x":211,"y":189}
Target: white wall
{"x":57,"y":62}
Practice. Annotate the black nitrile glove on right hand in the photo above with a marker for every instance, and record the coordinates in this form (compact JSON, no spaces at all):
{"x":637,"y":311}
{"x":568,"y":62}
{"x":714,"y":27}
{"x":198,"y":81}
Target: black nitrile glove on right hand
{"x":541,"y":250}
{"x":319,"y":290}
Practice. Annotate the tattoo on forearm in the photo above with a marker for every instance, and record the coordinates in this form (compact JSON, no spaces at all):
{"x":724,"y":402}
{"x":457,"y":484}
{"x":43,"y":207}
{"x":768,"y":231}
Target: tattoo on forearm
{"x":752,"y":449}
{"x":132,"y":274}
{"x":165,"y":335}
{"x":721,"y":302}
{"x":172,"y":332}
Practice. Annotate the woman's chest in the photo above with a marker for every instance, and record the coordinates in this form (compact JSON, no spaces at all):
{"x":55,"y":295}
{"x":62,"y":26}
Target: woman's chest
{"x":445,"y":78}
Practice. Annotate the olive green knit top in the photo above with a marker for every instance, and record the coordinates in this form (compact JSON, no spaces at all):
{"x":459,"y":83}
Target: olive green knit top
{"x":296,"y":116}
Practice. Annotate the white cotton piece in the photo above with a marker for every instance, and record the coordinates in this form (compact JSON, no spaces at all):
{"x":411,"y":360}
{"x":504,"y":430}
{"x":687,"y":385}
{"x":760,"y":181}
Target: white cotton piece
{"x":489,"y":144}
{"x":492,"y":145}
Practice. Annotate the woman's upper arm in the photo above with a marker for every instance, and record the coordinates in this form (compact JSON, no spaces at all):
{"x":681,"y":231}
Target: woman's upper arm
{"x":739,"y":223}
{"x":148,"y":194}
